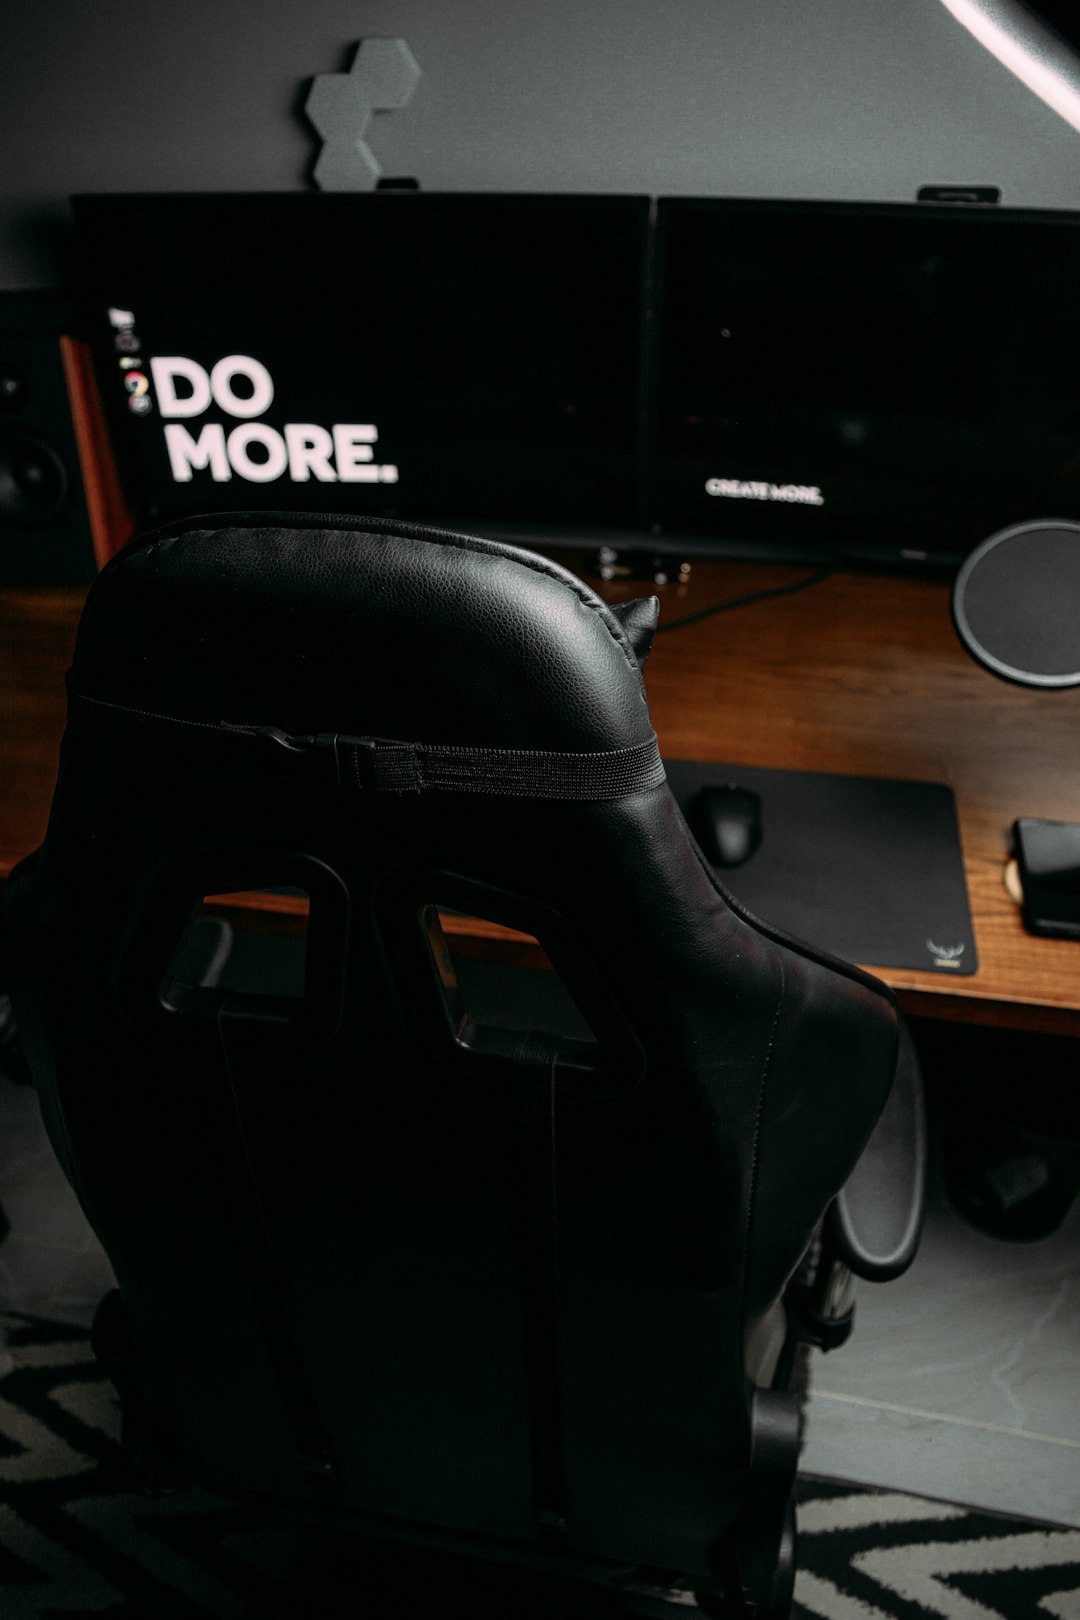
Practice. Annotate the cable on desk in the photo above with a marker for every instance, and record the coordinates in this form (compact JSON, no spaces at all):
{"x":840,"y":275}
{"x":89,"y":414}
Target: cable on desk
{"x":744,"y":601}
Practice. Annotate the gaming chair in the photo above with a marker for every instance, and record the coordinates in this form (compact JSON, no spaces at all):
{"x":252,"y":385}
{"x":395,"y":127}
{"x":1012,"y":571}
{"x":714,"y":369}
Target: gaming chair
{"x":380,"y":1261}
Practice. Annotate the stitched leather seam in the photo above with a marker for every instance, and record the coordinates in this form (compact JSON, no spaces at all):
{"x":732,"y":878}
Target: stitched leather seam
{"x":812,"y":953}
{"x":765,"y":1069}
{"x":553,"y":571}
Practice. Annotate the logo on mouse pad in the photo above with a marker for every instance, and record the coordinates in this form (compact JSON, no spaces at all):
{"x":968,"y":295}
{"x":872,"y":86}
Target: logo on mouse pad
{"x":945,"y":956}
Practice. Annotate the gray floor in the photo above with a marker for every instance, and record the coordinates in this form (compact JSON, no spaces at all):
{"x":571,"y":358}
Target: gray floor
{"x":961,"y":1380}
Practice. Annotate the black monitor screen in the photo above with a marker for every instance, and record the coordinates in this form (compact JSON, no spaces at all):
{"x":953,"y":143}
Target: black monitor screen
{"x":444,"y":357}
{"x":886,"y":380}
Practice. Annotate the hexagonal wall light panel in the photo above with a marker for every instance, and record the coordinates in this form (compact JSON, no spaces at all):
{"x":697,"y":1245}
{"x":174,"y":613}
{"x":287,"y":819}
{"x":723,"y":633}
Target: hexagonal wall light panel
{"x":383,"y":76}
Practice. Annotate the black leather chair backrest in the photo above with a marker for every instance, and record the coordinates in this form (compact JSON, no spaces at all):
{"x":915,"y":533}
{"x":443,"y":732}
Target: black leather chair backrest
{"x":435,"y":1270}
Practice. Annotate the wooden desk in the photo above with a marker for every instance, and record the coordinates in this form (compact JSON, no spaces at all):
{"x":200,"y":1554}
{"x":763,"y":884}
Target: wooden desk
{"x":861,"y":674}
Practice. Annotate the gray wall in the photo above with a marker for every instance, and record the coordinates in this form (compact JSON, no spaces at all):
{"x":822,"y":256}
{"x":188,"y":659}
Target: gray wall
{"x":810,"y":98}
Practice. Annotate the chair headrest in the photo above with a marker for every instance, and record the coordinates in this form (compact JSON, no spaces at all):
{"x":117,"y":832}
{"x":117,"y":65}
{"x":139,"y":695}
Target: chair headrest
{"x":318,"y":624}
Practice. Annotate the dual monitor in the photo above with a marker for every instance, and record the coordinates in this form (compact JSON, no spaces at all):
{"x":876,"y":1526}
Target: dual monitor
{"x":885,"y":381}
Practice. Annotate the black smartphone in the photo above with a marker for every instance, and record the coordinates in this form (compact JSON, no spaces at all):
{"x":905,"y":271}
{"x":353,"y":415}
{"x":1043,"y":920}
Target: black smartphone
{"x":1048,"y":860}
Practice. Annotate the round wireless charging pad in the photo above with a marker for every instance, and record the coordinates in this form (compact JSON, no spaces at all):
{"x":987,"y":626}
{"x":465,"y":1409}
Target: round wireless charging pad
{"x":1016,"y":603}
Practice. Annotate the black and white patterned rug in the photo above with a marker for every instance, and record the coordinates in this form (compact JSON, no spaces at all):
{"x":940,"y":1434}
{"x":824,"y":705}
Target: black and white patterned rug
{"x":74,"y":1540}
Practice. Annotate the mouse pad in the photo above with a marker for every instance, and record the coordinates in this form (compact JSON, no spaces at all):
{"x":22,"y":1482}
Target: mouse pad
{"x":862,"y":867}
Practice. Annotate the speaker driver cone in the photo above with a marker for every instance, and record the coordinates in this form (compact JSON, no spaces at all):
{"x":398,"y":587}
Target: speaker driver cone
{"x":33,"y":480}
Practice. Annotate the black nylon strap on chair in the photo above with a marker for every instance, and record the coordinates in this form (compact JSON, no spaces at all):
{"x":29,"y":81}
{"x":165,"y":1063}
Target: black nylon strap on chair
{"x":383,"y":765}
{"x":535,"y":1065}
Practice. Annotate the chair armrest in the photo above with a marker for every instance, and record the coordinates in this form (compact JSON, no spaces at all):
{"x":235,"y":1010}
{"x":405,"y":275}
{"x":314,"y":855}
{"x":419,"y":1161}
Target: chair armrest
{"x":874,"y":1223}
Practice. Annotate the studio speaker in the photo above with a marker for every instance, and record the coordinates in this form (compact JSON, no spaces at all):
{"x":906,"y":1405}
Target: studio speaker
{"x":60,"y":509}
{"x":1016,"y":603}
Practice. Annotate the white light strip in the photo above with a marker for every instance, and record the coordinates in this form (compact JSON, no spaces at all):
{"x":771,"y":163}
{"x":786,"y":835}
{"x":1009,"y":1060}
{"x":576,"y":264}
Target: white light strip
{"x":1030,"y":58}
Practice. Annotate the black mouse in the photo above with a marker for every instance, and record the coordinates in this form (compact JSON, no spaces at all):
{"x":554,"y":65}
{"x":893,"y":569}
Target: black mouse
{"x":726,"y":819}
